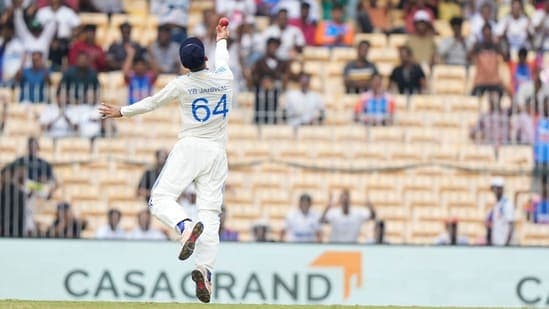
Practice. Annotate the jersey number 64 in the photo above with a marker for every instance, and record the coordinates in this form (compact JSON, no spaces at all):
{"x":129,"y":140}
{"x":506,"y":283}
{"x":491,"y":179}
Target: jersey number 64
{"x":202,"y":111}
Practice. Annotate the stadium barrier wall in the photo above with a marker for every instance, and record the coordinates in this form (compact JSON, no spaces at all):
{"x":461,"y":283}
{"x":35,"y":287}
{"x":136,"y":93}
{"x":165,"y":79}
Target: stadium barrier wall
{"x":277,"y":273}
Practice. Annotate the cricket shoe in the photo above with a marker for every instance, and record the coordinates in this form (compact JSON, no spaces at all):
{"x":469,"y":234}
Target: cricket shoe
{"x":188,"y":239}
{"x":202,"y":277}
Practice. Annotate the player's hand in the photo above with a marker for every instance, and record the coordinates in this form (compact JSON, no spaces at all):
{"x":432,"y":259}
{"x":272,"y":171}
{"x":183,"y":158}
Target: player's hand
{"x":109,"y":111}
{"x":222,"y":32}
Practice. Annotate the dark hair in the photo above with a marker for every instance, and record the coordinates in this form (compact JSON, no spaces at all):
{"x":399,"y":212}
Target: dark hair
{"x":125,"y":25}
{"x":139,"y":60}
{"x":364,"y":42}
{"x":273,"y":40}
{"x":486,"y":26}
{"x":523,"y":52}
{"x":456,"y":21}
{"x":113,"y":211}
{"x":32,"y":140}
{"x":337,"y":7}
{"x":305,"y":5}
{"x":90,"y":27}
{"x":305,"y":197}
{"x":164,"y":28}
{"x":282,"y":11}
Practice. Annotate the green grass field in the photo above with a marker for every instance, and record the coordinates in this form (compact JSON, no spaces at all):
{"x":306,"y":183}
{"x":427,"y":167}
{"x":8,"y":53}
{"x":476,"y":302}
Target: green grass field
{"x":16,"y":304}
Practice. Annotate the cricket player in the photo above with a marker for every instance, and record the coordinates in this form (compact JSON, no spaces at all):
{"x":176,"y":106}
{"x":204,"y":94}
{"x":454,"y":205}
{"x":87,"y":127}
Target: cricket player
{"x":199,"y":156}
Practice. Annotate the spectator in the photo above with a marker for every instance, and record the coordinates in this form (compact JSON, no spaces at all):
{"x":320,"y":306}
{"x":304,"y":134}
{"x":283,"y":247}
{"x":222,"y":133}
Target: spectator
{"x":345,"y":221}
{"x":485,"y":55}
{"x":375,"y":107}
{"x":12,"y":202}
{"x":149,"y":176}
{"x":36,"y":37}
{"x":453,"y":50}
{"x":111,"y":230}
{"x":139,"y":78}
{"x":410,"y":10}
{"x":373,"y":17}
{"x":102,"y":6}
{"x":302,"y":225}
{"x":12,"y":53}
{"x":205,"y":31}
{"x":521,"y":71}
{"x":335,"y":32}
{"x":515,"y":28}
{"x":67,"y":20}
{"x":304,"y":107}
{"x":188,"y":202}
{"x":88,"y":46}
{"x":540,"y":23}
{"x":305,"y":24}
{"x":66,"y":225}
{"x":291,"y":39}
{"x":39,"y":172}
{"x":144,"y":230}
{"x":118,"y":53}
{"x":451,"y":236}
{"x":534,"y":91}
{"x":236,"y":11}
{"x":493,"y":127}
{"x":226,"y":234}
{"x":174,"y":13}
{"x":269,"y":78}
{"x":250,"y":49}
{"x":34,"y":81}
{"x":500,"y":220}
{"x":484,"y":17}
{"x":59,"y":120}
{"x":523,"y":124}
{"x":79,"y":84}
{"x":164,"y":52}
{"x":379,"y":234}
{"x":539,"y":208}
{"x":358,"y":73}
{"x":408,"y":77}
{"x":422,"y":42}
{"x":541,"y":146}
{"x":260,"y":231}
{"x":329,"y":5}
{"x":293,"y":8}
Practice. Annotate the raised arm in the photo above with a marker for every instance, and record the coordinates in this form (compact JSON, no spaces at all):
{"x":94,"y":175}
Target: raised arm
{"x":221,"y":52}
{"x":166,"y":95}
{"x":21,"y":29}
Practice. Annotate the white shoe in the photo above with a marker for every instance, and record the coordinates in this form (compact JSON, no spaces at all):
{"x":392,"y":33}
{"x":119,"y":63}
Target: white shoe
{"x":188,"y":239}
{"x":202,"y":277}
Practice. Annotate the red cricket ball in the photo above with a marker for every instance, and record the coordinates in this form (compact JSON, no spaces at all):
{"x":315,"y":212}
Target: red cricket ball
{"x":224,"y":21}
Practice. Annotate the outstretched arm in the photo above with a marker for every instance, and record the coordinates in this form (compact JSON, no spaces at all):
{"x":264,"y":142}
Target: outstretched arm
{"x":221,"y":52}
{"x":21,"y":29}
{"x":166,"y":95}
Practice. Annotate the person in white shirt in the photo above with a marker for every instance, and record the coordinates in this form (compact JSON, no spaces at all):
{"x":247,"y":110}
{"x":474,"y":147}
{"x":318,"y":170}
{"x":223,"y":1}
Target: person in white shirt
{"x":540,"y":22}
{"x":450,"y":236}
{"x":205,"y":99}
{"x":144,"y":230}
{"x":304,"y":107}
{"x":302,"y":225}
{"x":291,"y":38}
{"x":11,"y":56}
{"x":516,"y":28}
{"x":174,"y":13}
{"x":484,"y":16}
{"x":294,"y":8}
{"x":111,"y":230}
{"x":64,"y":16}
{"x":345,"y":221}
{"x":236,"y":11}
{"x":35,"y":38}
{"x":500,"y":220}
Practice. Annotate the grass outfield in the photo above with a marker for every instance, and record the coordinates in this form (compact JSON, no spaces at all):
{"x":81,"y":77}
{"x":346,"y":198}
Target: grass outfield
{"x":17,"y":304}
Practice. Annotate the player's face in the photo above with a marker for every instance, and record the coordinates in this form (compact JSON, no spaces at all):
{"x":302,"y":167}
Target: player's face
{"x":344,"y":199}
{"x":114,"y":219}
{"x":164,"y":37}
{"x":304,"y":205}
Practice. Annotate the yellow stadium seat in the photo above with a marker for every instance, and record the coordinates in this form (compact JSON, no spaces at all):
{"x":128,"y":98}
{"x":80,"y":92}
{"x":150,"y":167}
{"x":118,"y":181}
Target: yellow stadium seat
{"x":316,"y":53}
{"x":343,"y":54}
{"x":98,"y":19}
{"x":376,"y":39}
{"x":397,"y":40}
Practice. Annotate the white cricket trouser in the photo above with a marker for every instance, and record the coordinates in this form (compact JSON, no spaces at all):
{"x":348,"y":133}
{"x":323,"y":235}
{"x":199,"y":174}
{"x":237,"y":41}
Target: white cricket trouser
{"x":205,"y":163}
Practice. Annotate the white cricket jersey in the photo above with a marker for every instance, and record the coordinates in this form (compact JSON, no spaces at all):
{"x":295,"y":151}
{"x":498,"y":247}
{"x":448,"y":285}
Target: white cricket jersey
{"x":205,"y":99}
{"x":302,"y":227}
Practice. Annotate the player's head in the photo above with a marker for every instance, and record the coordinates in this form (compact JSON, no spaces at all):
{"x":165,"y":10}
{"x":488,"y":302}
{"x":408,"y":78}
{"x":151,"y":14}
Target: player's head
{"x":456,"y":22}
{"x":282,"y":18}
{"x":345,"y":200}
{"x":164,"y":34}
{"x":522,"y":54}
{"x":304,"y":81}
{"x":144,"y":219}
{"x":191,"y":54}
{"x":405,"y":54}
{"x":362,"y":49}
{"x":272,"y":46}
{"x":496,"y":185}
{"x":126,"y":31}
{"x":305,"y":203}
{"x":89,"y":33}
{"x":305,"y":10}
{"x":37,"y":59}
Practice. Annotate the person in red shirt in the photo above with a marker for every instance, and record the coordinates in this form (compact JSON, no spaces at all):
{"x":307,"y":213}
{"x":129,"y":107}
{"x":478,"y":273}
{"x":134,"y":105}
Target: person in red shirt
{"x":305,"y":24}
{"x":88,"y":46}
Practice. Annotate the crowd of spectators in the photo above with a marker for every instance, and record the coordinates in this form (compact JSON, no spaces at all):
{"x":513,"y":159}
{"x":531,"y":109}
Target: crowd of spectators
{"x":41,"y":37}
